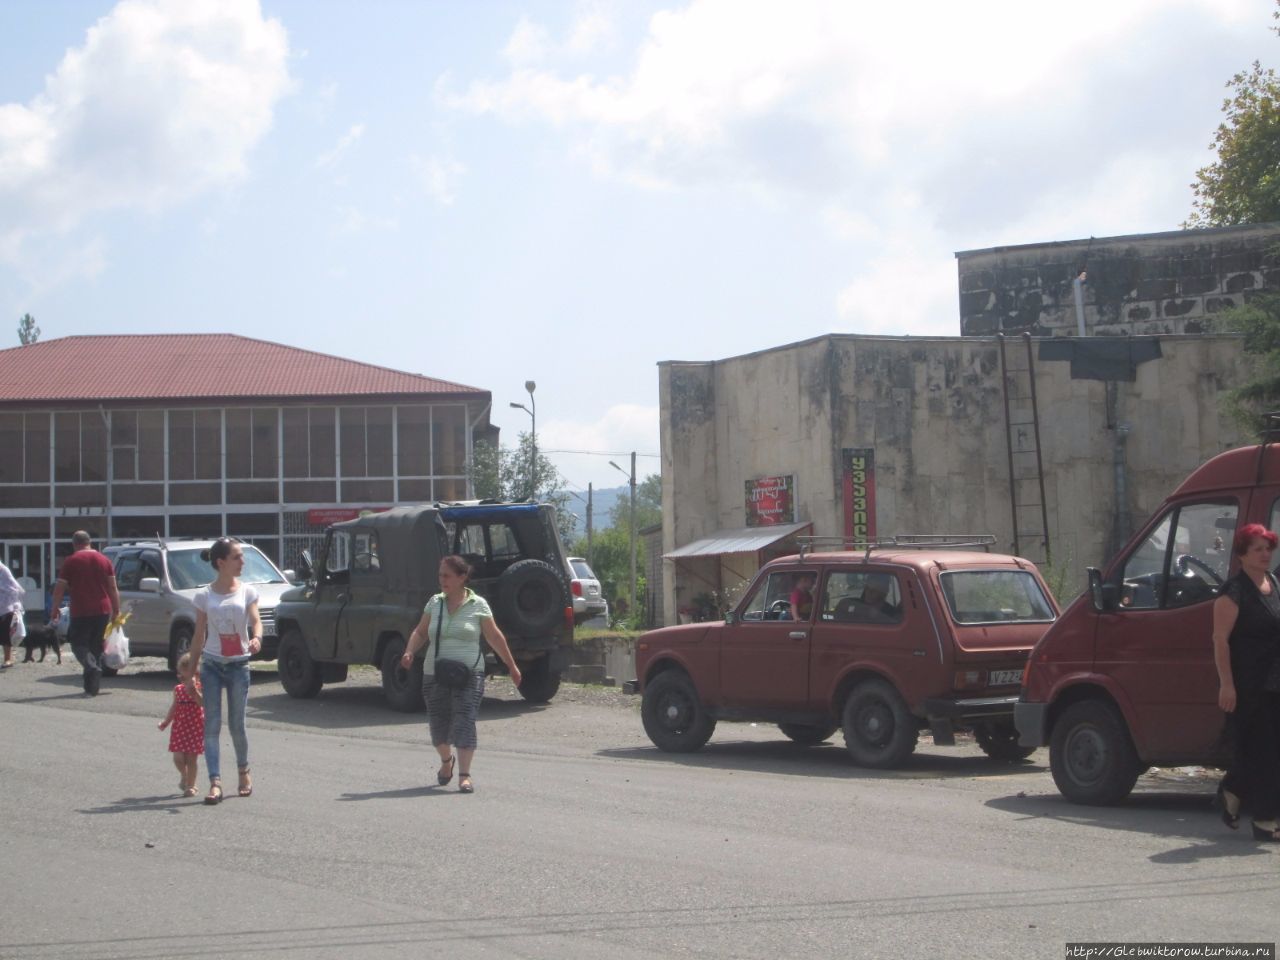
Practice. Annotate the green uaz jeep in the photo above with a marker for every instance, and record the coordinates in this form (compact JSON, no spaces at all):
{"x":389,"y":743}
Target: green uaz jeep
{"x":366,"y":590}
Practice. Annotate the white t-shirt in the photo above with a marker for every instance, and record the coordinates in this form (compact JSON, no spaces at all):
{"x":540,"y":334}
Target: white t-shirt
{"x":227,"y":621}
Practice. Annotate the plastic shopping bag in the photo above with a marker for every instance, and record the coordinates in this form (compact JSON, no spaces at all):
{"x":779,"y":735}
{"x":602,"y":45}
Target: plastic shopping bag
{"x":115,"y":653}
{"x":17,"y":629}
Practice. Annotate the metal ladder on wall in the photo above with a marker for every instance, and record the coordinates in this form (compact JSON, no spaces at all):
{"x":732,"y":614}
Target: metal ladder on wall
{"x":1026,"y":469}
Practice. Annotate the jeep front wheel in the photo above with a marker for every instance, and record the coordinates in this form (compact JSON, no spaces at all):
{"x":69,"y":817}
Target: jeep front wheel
{"x":539,"y":683}
{"x":672,"y":714}
{"x":299,"y":674}
{"x":999,"y":741}
{"x":402,"y":688}
{"x":879,"y":730}
{"x":1091,"y":756}
{"x":808,"y":734}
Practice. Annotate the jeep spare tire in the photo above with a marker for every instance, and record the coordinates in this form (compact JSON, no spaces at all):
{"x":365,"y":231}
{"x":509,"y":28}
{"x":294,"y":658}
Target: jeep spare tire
{"x":530,"y":598}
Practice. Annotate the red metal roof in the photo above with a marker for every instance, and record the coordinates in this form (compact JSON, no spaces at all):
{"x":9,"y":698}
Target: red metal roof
{"x":214,"y":366}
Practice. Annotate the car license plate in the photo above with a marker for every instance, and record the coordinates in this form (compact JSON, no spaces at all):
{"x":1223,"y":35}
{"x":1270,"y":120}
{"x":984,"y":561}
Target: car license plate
{"x":1004,"y":678}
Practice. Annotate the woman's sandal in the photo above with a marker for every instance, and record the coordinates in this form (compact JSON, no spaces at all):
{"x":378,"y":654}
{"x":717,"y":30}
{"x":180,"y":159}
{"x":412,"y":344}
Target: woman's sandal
{"x":1232,"y":820}
{"x":440,"y":777}
{"x":246,"y":783}
{"x":1268,"y":836}
{"x":464,"y":783}
{"x":215,"y":793}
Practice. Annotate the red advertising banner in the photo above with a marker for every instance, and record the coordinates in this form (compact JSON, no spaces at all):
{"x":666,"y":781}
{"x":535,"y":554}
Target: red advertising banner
{"x":859,"y":493}
{"x":323,"y":516}
{"x":770,"y":501}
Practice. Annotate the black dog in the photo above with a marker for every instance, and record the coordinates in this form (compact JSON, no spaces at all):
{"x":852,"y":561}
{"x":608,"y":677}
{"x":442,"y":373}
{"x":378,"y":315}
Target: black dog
{"x":44,"y":638}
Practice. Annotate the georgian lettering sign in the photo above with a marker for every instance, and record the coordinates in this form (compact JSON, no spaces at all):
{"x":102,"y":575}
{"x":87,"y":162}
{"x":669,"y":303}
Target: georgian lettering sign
{"x":859,"y":493}
{"x":770,"y":500}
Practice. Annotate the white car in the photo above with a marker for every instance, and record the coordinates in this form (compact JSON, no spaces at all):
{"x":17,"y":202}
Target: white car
{"x":159,"y":578}
{"x":588,"y":600}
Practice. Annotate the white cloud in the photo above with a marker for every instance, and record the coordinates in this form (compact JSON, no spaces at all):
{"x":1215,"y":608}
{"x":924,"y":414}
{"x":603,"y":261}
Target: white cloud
{"x":354,"y":220}
{"x":529,"y":43}
{"x":978,"y":116}
{"x":331,"y":156}
{"x":439,"y":177}
{"x":163,"y":100}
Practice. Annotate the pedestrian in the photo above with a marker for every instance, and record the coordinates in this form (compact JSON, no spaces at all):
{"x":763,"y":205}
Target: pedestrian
{"x":1246,"y":651}
{"x":228,"y":632}
{"x":91,"y":580}
{"x":186,"y":715}
{"x":455,"y":620}
{"x":11,"y":605}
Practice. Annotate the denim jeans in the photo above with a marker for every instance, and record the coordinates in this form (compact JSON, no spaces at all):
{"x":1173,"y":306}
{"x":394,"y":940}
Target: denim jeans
{"x":216,"y":676}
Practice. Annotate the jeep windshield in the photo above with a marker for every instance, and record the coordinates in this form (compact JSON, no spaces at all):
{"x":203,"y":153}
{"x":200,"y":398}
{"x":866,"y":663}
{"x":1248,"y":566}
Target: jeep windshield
{"x":996,"y":596}
{"x":188,"y":572}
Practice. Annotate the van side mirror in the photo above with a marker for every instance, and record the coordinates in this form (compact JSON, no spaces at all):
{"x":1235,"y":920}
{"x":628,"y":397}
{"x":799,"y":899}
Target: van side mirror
{"x":730,"y":618}
{"x":149,"y":584}
{"x":304,"y":565}
{"x":1104,"y":595}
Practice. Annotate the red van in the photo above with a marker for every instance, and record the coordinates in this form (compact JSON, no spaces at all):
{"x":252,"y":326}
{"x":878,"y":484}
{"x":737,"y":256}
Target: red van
{"x":1125,"y":679}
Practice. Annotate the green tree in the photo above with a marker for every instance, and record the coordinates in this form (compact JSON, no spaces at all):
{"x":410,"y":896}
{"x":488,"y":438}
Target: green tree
{"x":1259,"y":321}
{"x":502,"y":473}
{"x":1243,"y":184}
{"x":648,"y":505}
{"x":28,"y":332}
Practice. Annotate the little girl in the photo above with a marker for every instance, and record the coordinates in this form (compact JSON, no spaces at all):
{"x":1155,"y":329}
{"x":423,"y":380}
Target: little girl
{"x":186,"y":713}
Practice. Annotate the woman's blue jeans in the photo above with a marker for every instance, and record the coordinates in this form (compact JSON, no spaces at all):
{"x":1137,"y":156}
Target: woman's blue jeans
{"x":216,"y":676}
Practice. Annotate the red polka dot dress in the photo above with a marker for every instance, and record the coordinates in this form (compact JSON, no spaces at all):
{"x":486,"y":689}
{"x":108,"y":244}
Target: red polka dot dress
{"x":186,"y":735}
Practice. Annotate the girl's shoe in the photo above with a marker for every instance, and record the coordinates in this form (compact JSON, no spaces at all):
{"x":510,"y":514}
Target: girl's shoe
{"x":246,"y":783}
{"x":215,"y":793}
{"x":1266,"y":834}
{"x":441,"y":778}
{"x":464,"y":783}
{"x":1231,"y":817}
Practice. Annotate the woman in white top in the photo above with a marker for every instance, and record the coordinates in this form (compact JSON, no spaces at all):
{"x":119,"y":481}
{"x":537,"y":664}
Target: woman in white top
{"x":228,"y":632}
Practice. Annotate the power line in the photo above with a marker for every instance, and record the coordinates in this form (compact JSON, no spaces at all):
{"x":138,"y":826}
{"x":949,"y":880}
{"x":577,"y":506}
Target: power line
{"x":606,"y":453}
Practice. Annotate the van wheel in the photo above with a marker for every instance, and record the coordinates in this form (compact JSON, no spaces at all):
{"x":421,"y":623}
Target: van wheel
{"x":530,"y":598}
{"x":879,"y":730}
{"x":999,"y":741}
{"x":402,"y":688}
{"x":299,"y":674}
{"x":179,"y":643}
{"x":539,"y":683}
{"x":1091,"y":756}
{"x":673,"y":715}
{"x":807,"y":733}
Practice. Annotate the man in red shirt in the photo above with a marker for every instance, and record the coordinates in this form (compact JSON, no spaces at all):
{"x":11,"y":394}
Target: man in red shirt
{"x":94,"y":601}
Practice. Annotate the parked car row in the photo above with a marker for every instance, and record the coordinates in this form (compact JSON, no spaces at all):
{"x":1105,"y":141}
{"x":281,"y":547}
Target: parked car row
{"x":894,"y":641}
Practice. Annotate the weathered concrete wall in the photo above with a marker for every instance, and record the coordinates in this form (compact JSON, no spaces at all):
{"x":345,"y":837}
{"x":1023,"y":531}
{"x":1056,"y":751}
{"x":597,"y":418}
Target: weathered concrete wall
{"x":1157,"y":283}
{"x":933,"y":410}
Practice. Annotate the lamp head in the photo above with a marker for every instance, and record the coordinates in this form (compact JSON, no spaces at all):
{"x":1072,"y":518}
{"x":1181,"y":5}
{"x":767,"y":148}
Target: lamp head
{"x":530,"y":385}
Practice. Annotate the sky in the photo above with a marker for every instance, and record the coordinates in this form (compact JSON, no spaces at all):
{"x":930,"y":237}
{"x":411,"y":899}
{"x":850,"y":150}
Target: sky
{"x":494,"y":192}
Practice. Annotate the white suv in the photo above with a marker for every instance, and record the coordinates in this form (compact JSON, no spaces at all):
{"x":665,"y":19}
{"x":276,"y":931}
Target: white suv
{"x":158,"y":580}
{"x":588,"y":601}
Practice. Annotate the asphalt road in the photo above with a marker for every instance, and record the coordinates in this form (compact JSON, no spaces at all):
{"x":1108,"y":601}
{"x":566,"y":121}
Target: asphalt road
{"x":582,"y":841}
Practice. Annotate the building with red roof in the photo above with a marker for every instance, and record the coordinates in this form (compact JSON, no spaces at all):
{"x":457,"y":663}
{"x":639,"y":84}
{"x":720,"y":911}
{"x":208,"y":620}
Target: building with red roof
{"x":138,"y":436}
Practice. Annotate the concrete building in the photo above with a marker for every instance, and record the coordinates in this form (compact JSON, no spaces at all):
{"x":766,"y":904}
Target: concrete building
{"x":203,"y":435}
{"x":1154,"y":283}
{"x":868,"y":436}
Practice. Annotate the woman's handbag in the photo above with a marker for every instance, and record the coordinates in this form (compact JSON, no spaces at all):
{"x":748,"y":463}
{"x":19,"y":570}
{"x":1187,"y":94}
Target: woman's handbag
{"x":451,"y":674}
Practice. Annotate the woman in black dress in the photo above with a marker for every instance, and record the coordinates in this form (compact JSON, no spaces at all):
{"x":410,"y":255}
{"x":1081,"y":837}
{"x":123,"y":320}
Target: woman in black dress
{"x":1246,"y":643}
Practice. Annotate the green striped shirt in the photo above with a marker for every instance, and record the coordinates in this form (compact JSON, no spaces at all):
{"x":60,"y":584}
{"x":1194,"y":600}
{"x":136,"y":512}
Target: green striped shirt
{"x":461,"y":632}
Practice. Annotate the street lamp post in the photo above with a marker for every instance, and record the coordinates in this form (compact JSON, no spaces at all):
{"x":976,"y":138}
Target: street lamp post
{"x":532,"y":411}
{"x":632,"y":478}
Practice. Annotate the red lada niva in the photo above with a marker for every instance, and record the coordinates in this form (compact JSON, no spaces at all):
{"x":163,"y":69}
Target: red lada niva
{"x":895,"y":639}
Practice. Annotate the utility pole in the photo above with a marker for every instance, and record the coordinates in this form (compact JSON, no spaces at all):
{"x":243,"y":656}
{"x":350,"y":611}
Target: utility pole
{"x":590,"y":558}
{"x":631,"y":478}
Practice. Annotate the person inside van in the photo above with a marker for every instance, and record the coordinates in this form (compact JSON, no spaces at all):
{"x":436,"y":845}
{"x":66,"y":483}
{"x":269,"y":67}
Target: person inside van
{"x":875,"y":606}
{"x":1246,"y":652}
{"x":802,"y":598}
